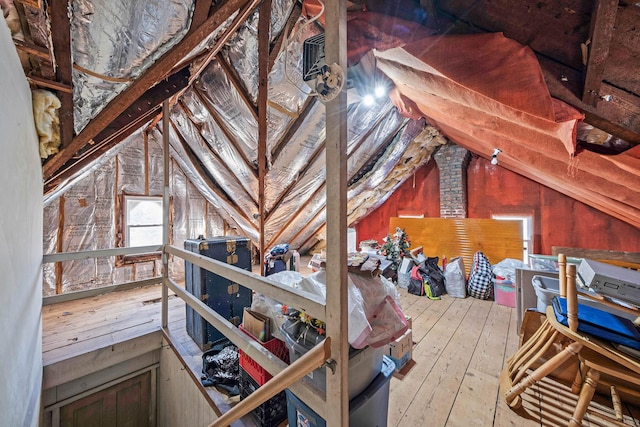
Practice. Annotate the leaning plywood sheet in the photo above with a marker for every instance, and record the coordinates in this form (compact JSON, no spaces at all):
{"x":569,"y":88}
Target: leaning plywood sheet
{"x":453,"y":237}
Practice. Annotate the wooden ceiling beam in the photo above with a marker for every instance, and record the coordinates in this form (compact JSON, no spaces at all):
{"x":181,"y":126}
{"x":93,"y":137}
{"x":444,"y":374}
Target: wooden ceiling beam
{"x":200,"y":14}
{"x":126,"y":124}
{"x":610,"y":117}
{"x":61,"y":39}
{"x":233,"y":77}
{"x":148,"y":79}
{"x":264,"y":25}
{"x":603,"y":20}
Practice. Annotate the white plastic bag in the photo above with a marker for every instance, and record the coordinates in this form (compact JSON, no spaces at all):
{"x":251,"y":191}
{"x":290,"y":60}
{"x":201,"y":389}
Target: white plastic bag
{"x":455,"y":280}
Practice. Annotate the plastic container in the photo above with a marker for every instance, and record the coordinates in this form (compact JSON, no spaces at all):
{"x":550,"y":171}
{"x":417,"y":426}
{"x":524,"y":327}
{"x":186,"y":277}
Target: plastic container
{"x":270,"y":413}
{"x":257,"y":372}
{"x":548,"y":262}
{"x":369,"y":408}
{"x":548,"y":287}
{"x":505,"y":292}
{"x":364,"y":364}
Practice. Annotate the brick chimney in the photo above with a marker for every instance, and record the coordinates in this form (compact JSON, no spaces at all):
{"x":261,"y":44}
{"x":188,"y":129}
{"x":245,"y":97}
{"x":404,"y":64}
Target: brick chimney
{"x":452,"y":161}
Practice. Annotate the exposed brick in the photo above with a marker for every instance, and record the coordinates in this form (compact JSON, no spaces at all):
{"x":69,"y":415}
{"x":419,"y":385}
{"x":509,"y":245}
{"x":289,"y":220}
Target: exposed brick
{"x":452,"y":161}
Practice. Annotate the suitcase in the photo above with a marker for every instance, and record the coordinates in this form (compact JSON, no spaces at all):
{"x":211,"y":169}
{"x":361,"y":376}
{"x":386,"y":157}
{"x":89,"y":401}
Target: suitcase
{"x":222,"y":295}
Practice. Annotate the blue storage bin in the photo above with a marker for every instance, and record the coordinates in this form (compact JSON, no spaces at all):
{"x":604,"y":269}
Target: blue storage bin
{"x":370,"y":408}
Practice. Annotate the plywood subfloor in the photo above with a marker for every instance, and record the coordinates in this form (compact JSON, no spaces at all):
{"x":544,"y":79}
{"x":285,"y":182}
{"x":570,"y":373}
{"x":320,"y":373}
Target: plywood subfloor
{"x":460,"y":348}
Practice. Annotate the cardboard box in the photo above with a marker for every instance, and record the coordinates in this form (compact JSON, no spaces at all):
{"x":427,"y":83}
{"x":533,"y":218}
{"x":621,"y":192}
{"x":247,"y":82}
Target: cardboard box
{"x":409,"y":321}
{"x":400,"y":350}
{"x":257,"y":324}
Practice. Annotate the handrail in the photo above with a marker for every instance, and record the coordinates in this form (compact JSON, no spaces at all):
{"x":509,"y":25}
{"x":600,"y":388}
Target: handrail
{"x":309,"y":303}
{"x":89,"y":293}
{"x":235,"y":335}
{"x":311,"y":360}
{"x":99,"y":253}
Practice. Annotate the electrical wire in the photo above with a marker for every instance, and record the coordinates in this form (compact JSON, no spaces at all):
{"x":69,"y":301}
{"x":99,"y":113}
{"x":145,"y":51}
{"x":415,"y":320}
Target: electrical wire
{"x":285,"y":43}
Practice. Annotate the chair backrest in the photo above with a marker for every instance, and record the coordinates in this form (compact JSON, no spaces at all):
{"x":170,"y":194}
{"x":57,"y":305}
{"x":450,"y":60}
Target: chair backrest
{"x":594,"y":321}
{"x":562,"y":275}
{"x":572,"y":297}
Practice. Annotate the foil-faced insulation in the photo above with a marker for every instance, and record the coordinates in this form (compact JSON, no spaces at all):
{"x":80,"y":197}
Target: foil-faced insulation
{"x":226,"y":209}
{"x":224,"y":101}
{"x":242,"y":49}
{"x":114,"y":41}
{"x":214,"y":151}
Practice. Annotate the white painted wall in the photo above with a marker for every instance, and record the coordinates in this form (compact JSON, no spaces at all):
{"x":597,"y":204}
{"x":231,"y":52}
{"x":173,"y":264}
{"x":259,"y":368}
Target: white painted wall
{"x":20,"y":246}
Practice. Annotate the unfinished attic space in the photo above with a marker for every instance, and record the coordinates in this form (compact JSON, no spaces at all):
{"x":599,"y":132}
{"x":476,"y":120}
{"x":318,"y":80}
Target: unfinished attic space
{"x":320,"y":213}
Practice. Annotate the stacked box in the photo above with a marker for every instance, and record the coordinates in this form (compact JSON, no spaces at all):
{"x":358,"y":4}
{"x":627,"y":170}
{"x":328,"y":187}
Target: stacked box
{"x":400,"y":350}
{"x":257,"y":372}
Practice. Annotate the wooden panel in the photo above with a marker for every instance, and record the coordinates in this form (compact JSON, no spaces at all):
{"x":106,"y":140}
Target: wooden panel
{"x":180,"y":401}
{"x":454,"y":237}
{"x":418,"y":195}
{"x":124,"y":404}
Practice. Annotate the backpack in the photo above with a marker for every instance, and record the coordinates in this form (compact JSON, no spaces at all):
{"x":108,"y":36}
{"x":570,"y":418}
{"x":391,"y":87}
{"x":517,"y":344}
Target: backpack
{"x":416,"y":284}
{"x":427,"y":279}
{"x":481,"y":278}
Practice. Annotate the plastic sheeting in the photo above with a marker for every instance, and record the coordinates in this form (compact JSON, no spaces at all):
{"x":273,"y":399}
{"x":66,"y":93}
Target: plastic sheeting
{"x":90,"y":217}
{"x":119,"y":39}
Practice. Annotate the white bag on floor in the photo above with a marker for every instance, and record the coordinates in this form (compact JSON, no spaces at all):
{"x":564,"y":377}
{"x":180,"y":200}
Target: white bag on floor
{"x":455,"y":278}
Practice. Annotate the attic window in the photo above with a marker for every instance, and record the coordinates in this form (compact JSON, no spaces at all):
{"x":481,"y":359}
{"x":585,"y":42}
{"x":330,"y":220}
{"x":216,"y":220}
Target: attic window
{"x":143,"y":221}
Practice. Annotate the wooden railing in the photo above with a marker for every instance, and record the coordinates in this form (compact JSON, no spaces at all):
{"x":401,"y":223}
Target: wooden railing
{"x":284,"y":375}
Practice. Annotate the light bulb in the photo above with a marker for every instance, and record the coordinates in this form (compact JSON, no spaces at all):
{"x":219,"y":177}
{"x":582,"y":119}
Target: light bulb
{"x":494,"y":160}
{"x":368,"y":100}
{"x":380,"y":91}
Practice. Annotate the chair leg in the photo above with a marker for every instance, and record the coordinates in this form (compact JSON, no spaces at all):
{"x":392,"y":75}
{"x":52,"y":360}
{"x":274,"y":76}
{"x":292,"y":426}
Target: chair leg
{"x":586,"y":394}
{"x":576,"y":386}
{"x":545,"y":369}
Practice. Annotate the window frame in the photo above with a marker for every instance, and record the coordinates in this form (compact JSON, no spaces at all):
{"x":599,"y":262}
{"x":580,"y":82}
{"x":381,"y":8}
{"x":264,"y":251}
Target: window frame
{"x":125,"y":227}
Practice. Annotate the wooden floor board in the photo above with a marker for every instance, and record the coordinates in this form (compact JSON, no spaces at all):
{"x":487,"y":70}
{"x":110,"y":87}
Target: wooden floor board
{"x":460,"y":347}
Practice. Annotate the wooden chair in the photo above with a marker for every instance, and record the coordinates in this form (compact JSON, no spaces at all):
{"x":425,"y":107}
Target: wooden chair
{"x":594,"y":360}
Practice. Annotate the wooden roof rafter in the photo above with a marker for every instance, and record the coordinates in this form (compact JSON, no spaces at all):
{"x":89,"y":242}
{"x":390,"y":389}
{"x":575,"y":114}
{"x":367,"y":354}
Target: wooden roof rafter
{"x":600,"y":35}
{"x":293,"y":128}
{"x":240,"y":19}
{"x":235,"y":81}
{"x":61,"y":37}
{"x":379,"y":151}
{"x":141,"y":111}
{"x":214,"y":154}
{"x":293,"y":217}
{"x":155,"y":73}
{"x":314,"y":157}
{"x":288,"y":27}
{"x":206,"y":176}
{"x":200,"y":14}
{"x":220,"y":122}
